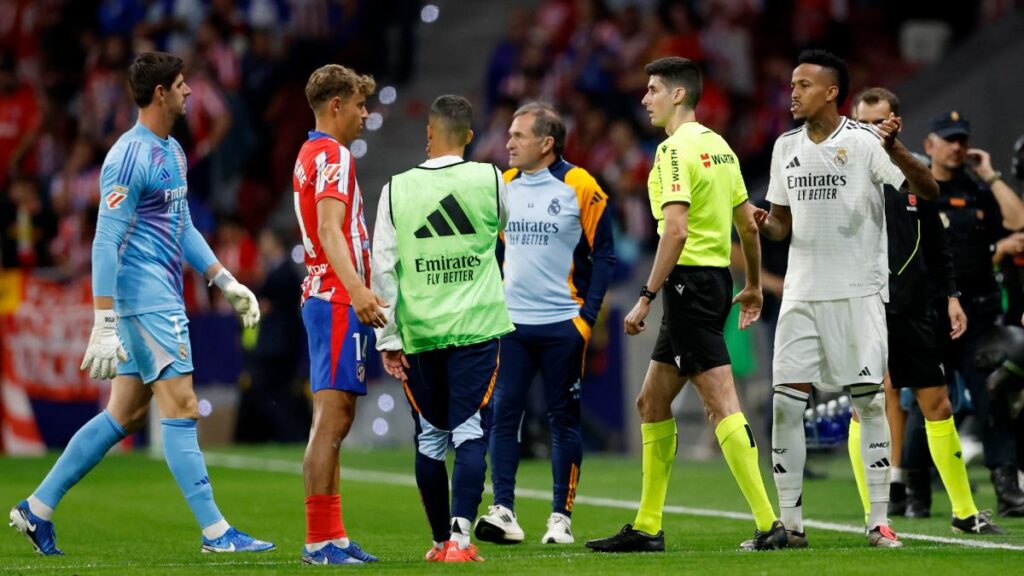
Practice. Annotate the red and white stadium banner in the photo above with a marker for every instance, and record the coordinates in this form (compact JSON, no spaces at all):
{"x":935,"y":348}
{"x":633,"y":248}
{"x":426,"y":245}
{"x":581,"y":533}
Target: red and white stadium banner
{"x":44,"y":329}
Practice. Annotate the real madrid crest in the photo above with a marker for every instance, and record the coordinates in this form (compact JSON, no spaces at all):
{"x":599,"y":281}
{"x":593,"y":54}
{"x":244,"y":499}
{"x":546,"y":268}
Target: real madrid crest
{"x":841,"y":157}
{"x":554,"y":208}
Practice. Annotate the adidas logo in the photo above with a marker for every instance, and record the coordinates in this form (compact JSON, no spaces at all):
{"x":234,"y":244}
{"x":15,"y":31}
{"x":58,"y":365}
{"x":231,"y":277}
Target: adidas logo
{"x":794,"y":163}
{"x":440,"y":222}
{"x":779,"y":469}
{"x":883,"y":463}
{"x":865,"y":372}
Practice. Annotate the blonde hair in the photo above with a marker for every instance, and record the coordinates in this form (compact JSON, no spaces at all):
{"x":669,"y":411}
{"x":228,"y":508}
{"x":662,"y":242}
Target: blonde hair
{"x":333,"y":80}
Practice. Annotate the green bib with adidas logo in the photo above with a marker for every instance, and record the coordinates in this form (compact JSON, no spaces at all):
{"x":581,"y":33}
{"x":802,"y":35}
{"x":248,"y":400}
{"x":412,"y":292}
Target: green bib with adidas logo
{"x":449,"y":286}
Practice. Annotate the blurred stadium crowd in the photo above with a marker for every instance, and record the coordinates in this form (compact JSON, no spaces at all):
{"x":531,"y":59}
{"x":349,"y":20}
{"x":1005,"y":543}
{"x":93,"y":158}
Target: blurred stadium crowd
{"x":64,"y":99}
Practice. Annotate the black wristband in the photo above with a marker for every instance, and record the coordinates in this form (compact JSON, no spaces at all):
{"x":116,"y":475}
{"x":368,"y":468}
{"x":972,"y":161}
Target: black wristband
{"x":645,"y":293}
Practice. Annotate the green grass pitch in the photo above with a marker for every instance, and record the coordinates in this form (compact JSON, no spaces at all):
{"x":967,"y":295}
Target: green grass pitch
{"x":128,"y":517}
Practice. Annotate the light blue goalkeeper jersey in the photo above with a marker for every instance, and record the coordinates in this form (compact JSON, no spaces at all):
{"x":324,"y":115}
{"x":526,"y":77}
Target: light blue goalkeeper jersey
{"x":144,"y":214}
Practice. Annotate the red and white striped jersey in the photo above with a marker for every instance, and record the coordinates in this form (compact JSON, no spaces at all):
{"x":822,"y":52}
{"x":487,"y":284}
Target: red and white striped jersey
{"x":325,"y":169}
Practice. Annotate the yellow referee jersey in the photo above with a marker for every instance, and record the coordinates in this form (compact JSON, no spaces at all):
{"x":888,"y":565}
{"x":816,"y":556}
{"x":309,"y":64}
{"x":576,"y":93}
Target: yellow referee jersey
{"x":696,"y":166}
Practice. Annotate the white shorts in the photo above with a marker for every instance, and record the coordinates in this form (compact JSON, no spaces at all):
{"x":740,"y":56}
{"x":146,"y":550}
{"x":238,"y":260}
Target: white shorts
{"x":831,"y":344}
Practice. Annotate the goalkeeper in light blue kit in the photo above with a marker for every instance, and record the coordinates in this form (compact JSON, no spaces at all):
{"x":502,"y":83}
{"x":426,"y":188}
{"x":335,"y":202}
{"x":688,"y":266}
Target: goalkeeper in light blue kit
{"x":143,"y":235}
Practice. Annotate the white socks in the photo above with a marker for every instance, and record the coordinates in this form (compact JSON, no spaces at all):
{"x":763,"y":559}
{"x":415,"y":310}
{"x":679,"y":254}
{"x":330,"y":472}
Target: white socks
{"x":339,"y":542}
{"x":216,"y":530}
{"x":789,"y":453}
{"x":460,"y":532}
{"x":874,"y":448}
{"x":37,"y":507}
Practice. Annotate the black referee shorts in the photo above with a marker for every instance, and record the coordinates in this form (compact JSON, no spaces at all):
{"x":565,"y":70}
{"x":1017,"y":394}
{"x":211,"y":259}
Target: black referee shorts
{"x":913,"y":356}
{"x":697,"y":300}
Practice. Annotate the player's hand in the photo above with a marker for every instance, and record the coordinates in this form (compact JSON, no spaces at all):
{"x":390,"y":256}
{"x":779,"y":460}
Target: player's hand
{"x":760,"y":217}
{"x":395,"y":363}
{"x":750,"y":300}
{"x":105,"y":349}
{"x":241,"y":298}
{"x":369,"y":308}
{"x":957,"y":319}
{"x":888,"y":129}
{"x":635,"y":319}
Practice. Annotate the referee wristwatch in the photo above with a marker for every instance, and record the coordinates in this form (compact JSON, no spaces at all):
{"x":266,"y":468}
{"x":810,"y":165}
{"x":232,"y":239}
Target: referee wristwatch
{"x":645,"y":293}
{"x":954,"y":294}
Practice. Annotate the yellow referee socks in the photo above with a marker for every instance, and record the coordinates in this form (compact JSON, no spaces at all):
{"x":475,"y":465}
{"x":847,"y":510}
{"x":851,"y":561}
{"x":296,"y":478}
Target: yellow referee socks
{"x":740,"y":450}
{"x":857,"y":461}
{"x":944,"y":444}
{"x":659,"y":453}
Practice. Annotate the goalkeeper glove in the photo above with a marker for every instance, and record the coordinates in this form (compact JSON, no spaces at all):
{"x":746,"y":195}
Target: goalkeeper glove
{"x":105,"y":349}
{"x":240,"y":297}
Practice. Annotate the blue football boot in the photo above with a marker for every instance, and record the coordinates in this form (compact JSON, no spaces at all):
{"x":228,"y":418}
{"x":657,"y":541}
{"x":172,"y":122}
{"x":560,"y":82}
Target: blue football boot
{"x":235,"y":541}
{"x":331,"y":554}
{"x":38,"y":531}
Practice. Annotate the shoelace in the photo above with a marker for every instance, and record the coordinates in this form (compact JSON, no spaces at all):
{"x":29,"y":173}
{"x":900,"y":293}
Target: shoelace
{"x":982,"y":518}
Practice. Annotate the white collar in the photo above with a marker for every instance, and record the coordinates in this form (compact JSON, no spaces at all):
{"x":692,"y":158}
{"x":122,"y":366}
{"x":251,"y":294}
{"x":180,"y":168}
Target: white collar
{"x":442,"y":161}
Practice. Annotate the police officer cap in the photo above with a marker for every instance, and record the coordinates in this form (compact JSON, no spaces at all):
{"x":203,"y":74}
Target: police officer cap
{"x":950,"y":124}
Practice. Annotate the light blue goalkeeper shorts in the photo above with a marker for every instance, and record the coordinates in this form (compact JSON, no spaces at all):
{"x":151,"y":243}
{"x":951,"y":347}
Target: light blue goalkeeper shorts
{"x":158,"y":346}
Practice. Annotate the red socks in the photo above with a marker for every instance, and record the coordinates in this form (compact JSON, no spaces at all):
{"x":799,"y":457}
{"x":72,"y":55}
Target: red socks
{"x":323,"y":518}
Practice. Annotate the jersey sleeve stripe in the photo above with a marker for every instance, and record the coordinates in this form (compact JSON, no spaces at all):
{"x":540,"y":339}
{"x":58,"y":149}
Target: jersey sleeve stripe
{"x":124,"y":163}
{"x":128,"y":163}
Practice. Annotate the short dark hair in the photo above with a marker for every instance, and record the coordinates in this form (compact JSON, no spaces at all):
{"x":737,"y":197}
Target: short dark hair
{"x":826,"y":59}
{"x":454,"y":112}
{"x":152,"y":69}
{"x":546,"y":122}
{"x":872,"y":96}
{"x":675,"y":71}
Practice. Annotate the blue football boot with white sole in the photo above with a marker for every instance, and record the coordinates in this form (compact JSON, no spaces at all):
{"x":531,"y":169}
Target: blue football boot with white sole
{"x":331,"y":554}
{"x":38,"y":531}
{"x":235,"y":541}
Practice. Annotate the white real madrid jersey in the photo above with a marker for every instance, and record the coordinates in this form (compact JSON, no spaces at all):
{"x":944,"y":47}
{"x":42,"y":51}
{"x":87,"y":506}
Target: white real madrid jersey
{"x":835,"y":192}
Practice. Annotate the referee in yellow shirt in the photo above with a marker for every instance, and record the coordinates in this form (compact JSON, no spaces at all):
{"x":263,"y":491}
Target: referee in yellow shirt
{"x":697,"y":194}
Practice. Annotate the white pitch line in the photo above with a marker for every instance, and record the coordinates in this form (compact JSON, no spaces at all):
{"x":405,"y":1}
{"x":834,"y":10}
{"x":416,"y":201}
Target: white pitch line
{"x":371,"y":476}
